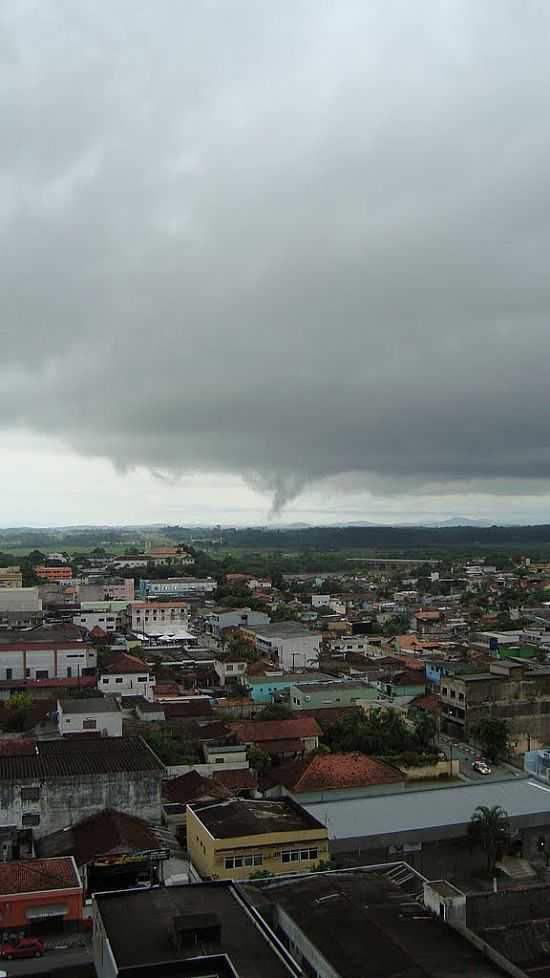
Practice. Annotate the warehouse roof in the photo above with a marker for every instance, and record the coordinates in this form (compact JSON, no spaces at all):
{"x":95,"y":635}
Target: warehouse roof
{"x":68,"y":758}
{"x":420,"y":811}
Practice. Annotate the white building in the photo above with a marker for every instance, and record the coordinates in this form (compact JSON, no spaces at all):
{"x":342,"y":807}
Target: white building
{"x":176,"y":586}
{"x":20,"y":599}
{"x":217,"y":622}
{"x":54,"y":658}
{"x":111,"y":616}
{"x":91,"y":715}
{"x":295,"y":646}
{"x":320,"y":600}
{"x":126,"y":675}
{"x":230,"y":669}
{"x":158,"y":617}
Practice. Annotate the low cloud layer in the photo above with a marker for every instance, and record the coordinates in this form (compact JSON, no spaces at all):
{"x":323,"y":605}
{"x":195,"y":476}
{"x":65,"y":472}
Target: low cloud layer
{"x":295,"y":242}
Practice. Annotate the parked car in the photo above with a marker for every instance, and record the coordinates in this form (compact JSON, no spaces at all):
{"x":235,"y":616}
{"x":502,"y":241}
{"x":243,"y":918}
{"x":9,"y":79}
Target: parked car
{"x":27,"y":947}
{"x":481,"y":766}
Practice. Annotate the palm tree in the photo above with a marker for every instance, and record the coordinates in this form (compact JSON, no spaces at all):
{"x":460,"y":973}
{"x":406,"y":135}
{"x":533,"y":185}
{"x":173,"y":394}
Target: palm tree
{"x":490,"y":829}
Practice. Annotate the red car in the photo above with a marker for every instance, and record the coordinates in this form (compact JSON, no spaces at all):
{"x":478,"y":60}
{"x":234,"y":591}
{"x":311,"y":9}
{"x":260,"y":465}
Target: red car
{"x":27,"y":947}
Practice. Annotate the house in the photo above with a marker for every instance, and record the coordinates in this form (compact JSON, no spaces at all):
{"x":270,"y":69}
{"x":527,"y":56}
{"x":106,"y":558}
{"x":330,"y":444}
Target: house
{"x":125,"y":675}
{"x":110,"y":616}
{"x":44,"y":653}
{"x":50,"y":784}
{"x":292,"y":645}
{"x":310,"y":696}
{"x":232,"y":668}
{"x":236,"y":837}
{"x":428,"y":622}
{"x":218,"y":621}
{"x":158,"y":617}
{"x":280,"y":738}
{"x":38,"y":891}
{"x":206,"y":929}
{"x":403,"y":686}
{"x":317,"y":777}
{"x":93,"y":715}
{"x":267,"y":687}
{"x":111,"y":849}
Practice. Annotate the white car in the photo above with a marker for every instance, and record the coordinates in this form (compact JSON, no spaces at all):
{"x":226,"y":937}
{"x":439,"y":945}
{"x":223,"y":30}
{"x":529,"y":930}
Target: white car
{"x":481,"y":767}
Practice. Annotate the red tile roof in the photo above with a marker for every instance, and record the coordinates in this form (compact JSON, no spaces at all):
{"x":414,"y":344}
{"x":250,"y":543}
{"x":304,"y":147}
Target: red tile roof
{"x":257,"y":731}
{"x":188,"y":708}
{"x":192,"y":787}
{"x":430,"y":702}
{"x":21,"y":746}
{"x":325,"y":772}
{"x":237,"y":780}
{"x":291,"y":746}
{"x":107,"y":831}
{"x":75,"y":683}
{"x":123,"y":664}
{"x":38,"y":875}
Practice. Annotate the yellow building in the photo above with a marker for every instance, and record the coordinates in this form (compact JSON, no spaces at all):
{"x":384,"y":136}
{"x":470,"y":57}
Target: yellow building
{"x":11,"y":577}
{"x":234,"y":838}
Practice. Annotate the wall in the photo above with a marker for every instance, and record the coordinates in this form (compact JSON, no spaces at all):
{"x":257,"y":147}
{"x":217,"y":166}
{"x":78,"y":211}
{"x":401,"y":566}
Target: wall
{"x":13,"y":915}
{"x":64,"y":801}
{"x":312,"y":699}
{"x":57,"y":663}
{"x":127,"y":683}
{"x":208,"y":854}
{"x":207,"y":770}
{"x":431,"y":771}
{"x":301,"y":947}
{"x":71,"y":723}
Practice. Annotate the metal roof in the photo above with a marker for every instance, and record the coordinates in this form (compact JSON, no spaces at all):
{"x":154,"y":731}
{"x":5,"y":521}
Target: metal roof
{"x":428,"y":809}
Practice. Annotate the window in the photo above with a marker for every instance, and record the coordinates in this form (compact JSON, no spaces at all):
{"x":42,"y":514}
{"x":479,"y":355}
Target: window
{"x":30,"y":794}
{"x":220,"y":760}
{"x":105,"y":680}
{"x":29,"y":819}
{"x":89,"y":724}
{"x":444,"y":691}
{"x":67,"y":720}
{"x":461,"y":697}
{"x":9,"y":673}
{"x":42,"y":674}
{"x":118,"y":679}
{"x":69,"y":672}
{"x":453,"y":694}
{"x":142,"y":679}
{"x":235,"y":862}
{"x":299,"y":855}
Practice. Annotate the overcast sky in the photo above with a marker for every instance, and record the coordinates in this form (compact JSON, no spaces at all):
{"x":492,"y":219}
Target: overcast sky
{"x":259,"y":254}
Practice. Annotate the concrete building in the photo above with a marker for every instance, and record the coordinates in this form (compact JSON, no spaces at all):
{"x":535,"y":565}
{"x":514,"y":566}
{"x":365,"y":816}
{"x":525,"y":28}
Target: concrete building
{"x":512,"y":690}
{"x":11,"y":577}
{"x":268,"y":687}
{"x":375,"y":922}
{"x":39,"y":891}
{"x":205,"y":929}
{"x":44,"y":653}
{"x":158,"y":617}
{"x":313,"y":696}
{"x":110,"y":616}
{"x":106,"y":589}
{"x":233,"y":838}
{"x":20,"y":607}
{"x":49,"y":784}
{"x":174,"y":587}
{"x":91,"y":715}
{"x":292,"y":645}
{"x":218,"y":621}
{"x":230,"y":669}
{"x":53,"y":573}
{"x":126,"y":675}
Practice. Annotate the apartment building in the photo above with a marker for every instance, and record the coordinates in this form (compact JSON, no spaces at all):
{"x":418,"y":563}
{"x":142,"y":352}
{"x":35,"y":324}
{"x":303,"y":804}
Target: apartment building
{"x":158,"y":617}
{"x":110,"y":616}
{"x":512,"y":690}
{"x":294,"y":646}
{"x":11,"y":577}
{"x":53,"y":573}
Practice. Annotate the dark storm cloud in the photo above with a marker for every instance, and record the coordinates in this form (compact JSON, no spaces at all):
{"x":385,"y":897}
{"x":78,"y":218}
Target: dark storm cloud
{"x":290,"y":241}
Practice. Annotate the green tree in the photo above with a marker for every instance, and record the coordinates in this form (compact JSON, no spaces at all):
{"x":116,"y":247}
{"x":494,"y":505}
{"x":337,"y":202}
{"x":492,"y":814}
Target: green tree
{"x":18,"y":712}
{"x":424,"y":729}
{"x":492,"y":735}
{"x":259,"y":760}
{"x":398,"y":625}
{"x":489,"y":828}
{"x":276,"y":711}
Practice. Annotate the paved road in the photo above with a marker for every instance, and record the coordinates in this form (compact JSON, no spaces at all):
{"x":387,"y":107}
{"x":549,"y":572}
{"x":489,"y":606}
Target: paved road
{"x":51,"y":959}
{"x":466,"y":754}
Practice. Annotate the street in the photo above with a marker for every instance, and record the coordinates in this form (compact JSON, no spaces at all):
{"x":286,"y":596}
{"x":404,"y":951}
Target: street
{"x":52,"y":959}
{"x":466,"y":754}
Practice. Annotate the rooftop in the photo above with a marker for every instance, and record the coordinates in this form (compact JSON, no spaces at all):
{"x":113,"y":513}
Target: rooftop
{"x":256,"y":731}
{"x":68,"y":758}
{"x":192,"y":787}
{"x":90,"y":704}
{"x":105,"y":832}
{"x":139,"y":927}
{"x":325,"y":772}
{"x":282,"y":629}
{"x":287,"y":678}
{"x":429,"y":809}
{"x":124,"y":664}
{"x":365,"y":926}
{"x":244,"y":816}
{"x":37,"y":875}
{"x":334,"y":685}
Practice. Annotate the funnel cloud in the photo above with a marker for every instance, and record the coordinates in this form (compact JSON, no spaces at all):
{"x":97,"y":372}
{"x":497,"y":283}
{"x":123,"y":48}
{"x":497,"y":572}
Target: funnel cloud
{"x":305,"y":244}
